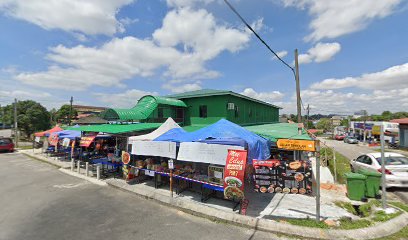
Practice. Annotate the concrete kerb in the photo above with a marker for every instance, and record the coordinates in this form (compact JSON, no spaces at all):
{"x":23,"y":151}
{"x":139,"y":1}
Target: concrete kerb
{"x":89,"y":179}
{"x":379,"y":230}
{"x":376,"y":231}
{"x":41,"y":159}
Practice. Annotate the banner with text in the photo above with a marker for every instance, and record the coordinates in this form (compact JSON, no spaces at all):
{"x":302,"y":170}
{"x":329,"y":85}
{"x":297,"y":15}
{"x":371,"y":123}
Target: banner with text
{"x":86,"y":141}
{"x":204,"y":153}
{"x":300,"y":145}
{"x":234,"y":175}
{"x":156,"y":148}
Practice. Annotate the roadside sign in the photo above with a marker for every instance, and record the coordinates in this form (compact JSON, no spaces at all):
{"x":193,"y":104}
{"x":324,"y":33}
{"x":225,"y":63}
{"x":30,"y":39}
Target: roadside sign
{"x":171,"y":164}
{"x":300,"y":145}
{"x":125,"y":157}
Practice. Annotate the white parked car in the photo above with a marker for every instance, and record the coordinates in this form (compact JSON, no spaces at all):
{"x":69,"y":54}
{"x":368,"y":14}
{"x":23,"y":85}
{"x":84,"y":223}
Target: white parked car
{"x":396,"y":167}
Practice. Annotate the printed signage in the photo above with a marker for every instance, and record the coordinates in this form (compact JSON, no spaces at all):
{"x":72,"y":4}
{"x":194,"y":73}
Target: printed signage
{"x":37,"y":139}
{"x":171,"y":164}
{"x":125,"y":157}
{"x":234,"y":174}
{"x":53,"y":139}
{"x":65,"y":142}
{"x":300,"y":145}
{"x":366,"y":126}
{"x":86,"y":141}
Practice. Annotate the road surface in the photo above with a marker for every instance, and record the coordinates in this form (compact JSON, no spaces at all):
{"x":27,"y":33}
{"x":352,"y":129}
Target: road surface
{"x":39,"y":202}
{"x":352,"y":151}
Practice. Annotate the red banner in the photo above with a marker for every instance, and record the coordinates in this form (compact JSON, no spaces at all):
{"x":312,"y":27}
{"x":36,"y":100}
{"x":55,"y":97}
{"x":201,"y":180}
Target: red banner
{"x":234,"y":174}
{"x":53,"y":139}
{"x":86,"y":141}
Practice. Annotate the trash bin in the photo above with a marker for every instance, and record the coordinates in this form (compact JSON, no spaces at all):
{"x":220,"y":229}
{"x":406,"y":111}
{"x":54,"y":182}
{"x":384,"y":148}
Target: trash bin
{"x":373,"y":183}
{"x":356,"y":186}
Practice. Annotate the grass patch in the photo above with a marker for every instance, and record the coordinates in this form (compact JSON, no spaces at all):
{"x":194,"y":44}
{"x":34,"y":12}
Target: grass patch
{"x":346,"y":205}
{"x":342,"y":163}
{"x":366,"y":209}
{"x":401,"y":205}
{"x":381,"y":216}
{"x":307,"y":223}
{"x":346,"y":223}
{"x":403,"y":234}
{"x":25,"y":147}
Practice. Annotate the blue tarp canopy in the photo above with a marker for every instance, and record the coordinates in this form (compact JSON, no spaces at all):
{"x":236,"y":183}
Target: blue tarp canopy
{"x":71,"y":134}
{"x":223,"y":132}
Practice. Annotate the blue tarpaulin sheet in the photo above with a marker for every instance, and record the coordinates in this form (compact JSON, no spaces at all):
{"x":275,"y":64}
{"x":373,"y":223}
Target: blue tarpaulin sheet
{"x":71,"y":134}
{"x":222,"y":132}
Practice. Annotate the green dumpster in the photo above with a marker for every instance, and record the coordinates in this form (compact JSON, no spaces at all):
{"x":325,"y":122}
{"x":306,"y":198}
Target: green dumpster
{"x":356,"y":186}
{"x":373,"y":182}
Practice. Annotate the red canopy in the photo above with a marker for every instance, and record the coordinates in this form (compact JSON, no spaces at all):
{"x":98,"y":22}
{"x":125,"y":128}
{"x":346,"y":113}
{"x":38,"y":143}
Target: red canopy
{"x":54,"y":129}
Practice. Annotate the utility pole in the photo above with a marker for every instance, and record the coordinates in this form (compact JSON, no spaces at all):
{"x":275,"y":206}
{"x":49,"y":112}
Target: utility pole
{"x":15,"y":123}
{"x":383,"y":183}
{"x":307,"y":118}
{"x":70,"y":110}
{"x":299,"y":110}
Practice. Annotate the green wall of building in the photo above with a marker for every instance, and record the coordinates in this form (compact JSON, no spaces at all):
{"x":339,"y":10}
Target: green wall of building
{"x":245,"y":112}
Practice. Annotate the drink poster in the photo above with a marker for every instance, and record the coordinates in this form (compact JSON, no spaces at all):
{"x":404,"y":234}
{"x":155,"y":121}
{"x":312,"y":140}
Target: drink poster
{"x":86,"y":141}
{"x":53,"y":139}
{"x":234,"y":174}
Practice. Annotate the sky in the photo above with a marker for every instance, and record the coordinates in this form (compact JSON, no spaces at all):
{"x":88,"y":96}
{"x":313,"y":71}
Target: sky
{"x":353,"y":54}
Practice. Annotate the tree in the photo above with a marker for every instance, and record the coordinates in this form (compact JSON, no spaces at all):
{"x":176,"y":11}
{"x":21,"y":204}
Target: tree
{"x":386,"y":116}
{"x":345,"y":123}
{"x":62,"y":115}
{"x":325,"y":124}
{"x":31,"y":116}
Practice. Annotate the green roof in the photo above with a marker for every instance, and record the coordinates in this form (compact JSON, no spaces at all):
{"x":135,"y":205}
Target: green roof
{"x":213,"y":92}
{"x":143,"y":109}
{"x":277,"y":131}
{"x":195,"y":127}
{"x":117,"y":128}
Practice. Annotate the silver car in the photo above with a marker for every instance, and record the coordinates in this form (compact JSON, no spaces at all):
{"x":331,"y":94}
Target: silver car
{"x":351,"y":140}
{"x":396,"y":167}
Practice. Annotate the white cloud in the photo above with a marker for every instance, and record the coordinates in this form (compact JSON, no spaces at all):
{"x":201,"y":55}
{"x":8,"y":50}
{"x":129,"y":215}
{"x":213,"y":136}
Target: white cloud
{"x":270,"y":97}
{"x":201,"y":38}
{"x":89,"y":17}
{"x":186,"y":3}
{"x":182,"y":88}
{"x":395,"y":77}
{"x":126,"y":99}
{"x":329,"y":101}
{"x":321,"y":52}
{"x":280,"y":54}
{"x":333,"y":18}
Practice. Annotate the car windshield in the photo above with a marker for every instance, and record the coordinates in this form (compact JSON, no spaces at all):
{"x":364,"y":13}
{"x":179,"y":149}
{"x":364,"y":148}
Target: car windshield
{"x":394,"y":160}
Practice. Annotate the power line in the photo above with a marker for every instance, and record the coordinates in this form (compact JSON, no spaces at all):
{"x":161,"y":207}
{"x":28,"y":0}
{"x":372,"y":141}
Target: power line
{"x":256,"y":34}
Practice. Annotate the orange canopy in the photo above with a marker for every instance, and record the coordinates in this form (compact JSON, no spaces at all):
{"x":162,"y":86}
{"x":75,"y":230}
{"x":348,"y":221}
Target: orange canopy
{"x":42,"y":134}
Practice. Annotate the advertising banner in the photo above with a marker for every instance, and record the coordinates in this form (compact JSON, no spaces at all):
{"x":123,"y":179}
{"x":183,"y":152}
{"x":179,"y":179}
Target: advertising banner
{"x":368,"y":126}
{"x":65,"y":142}
{"x":204,"y":153}
{"x":53,"y":139}
{"x":157,"y":148}
{"x":86,"y":141}
{"x":300,"y":145}
{"x":234,"y":175}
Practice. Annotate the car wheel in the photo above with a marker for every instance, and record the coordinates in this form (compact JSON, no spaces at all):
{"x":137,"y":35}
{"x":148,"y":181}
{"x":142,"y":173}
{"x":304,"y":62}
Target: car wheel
{"x":351,"y":168}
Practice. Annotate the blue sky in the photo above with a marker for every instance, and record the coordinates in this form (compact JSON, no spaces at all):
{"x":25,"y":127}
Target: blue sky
{"x":353,"y":54}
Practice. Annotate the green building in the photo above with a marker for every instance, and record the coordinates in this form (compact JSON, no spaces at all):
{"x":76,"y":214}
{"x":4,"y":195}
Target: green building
{"x":200,"y":107}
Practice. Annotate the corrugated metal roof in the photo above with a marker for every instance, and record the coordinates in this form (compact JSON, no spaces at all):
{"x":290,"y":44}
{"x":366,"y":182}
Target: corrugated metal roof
{"x":213,"y":92}
{"x":117,"y":128}
{"x":400,"y":121}
{"x":277,"y":131}
{"x":143,"y":109}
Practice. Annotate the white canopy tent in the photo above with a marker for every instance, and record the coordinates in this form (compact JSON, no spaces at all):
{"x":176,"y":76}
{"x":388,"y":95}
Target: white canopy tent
{"x":166,"y":126}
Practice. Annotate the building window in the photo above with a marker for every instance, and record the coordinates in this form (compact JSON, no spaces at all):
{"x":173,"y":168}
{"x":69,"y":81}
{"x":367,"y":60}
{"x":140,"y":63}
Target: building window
{"x":203,"y":111}
{"x":236,"y":112}
{"x":230,"y":106}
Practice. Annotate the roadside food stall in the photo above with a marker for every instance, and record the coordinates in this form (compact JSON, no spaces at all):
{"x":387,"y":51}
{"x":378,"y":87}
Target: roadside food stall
{"x":103,"y":144}
{"x":289,"y":170}
{"x":211,"y":160}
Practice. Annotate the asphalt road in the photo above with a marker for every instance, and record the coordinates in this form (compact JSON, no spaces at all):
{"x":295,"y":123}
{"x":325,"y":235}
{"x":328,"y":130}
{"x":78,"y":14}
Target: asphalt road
{"x":39,"y":202}
{"x":352,"y":151}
